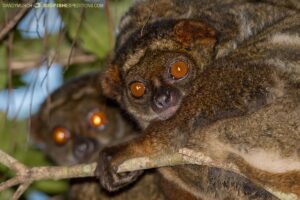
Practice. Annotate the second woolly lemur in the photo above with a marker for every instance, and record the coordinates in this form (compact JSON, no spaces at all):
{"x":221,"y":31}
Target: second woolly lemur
{"x":74,"y":124}
{"x":220,"y":77}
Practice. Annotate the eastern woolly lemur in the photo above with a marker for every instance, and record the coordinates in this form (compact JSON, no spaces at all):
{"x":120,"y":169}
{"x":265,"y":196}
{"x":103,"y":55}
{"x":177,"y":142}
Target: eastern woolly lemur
{"x":221,"y":77}
{"x":75,"y":124}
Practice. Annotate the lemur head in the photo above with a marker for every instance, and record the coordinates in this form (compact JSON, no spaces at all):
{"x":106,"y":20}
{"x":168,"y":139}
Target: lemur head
{"x":152,"y":71}
{"x":78,"y":122}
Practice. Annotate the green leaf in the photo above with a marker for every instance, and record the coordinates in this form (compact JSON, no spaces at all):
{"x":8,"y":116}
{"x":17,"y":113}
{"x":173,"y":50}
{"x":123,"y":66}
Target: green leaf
{"x":37,"y":48}
{"x":14,"y":141}
{"x":90,"y":31}
{"x":7,"y":194}
{"x":51,"y":187}
{"x":118,"y":9}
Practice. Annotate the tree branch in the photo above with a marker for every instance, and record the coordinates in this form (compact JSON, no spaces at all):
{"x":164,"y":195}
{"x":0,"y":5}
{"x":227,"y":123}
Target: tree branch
{"x":23,"y":65}
{"x":25,"y":176}
{"x":183,"y":156}
{"x":189,"y":156}
{"x":21,"y":189}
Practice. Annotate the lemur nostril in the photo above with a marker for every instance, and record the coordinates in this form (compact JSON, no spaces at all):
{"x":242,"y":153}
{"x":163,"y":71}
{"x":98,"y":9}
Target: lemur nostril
{"x":84,"y":148}
{"x":169,"y":97}
{"x":163,"y":98}
{"x":168,"y":93}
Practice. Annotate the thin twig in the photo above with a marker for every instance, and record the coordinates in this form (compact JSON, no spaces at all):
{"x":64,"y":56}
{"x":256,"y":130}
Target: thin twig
{"x":6,"y":28}
{"x":21,"y":189}
{"x":82,"y":11}
{"x":9,"y":183}
{"x":8,"y":49}
{"x":109,"y":22}
{"x":24,"y":65}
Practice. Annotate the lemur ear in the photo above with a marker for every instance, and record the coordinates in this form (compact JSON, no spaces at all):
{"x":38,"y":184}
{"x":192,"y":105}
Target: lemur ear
{"x":194,"y":32}
{"x":111,"y":82}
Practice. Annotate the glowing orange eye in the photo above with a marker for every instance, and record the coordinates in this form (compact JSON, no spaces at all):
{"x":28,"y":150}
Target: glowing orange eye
{"x":137,"y":89}
{"x":60,"y":136}
{"x":97,"y":119}
{"x":179,"y":69}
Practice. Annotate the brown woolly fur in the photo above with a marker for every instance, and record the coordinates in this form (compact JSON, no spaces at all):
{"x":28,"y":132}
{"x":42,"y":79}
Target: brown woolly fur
{"x":240,"y":95}
{"x":110,"y":82}
{"x":195,"y":33}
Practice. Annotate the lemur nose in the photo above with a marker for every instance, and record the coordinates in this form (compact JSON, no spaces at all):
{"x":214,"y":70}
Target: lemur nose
{"x":84,"y":147}
{"x":163,"y":98}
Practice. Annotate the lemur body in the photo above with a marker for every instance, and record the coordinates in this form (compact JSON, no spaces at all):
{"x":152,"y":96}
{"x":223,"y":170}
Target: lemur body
{"x":204,"y":75}
{"x":74,"y":124}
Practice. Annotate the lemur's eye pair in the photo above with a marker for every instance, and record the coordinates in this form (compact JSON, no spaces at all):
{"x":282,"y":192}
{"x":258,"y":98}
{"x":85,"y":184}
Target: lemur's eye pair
{"x":62,"y":135}
{"x":177,"y":70}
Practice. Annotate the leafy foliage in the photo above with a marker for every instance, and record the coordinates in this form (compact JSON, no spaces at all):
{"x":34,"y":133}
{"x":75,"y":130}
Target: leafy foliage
{"x":89,"y":31}
{"x":92,"y":31}
{"x":88,"y":28}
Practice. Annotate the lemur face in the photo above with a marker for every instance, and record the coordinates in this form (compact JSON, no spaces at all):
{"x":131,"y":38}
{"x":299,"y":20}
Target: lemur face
{"x":76,"y":125}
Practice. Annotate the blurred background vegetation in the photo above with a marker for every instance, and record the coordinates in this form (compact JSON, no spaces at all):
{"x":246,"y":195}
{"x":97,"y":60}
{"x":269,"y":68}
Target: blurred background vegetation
{"x":77,"y":39}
